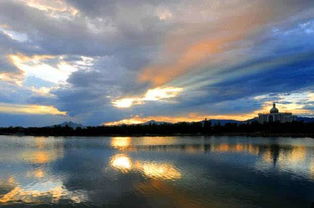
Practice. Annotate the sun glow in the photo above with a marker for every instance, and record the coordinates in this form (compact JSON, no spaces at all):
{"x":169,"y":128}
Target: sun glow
{"x":161,"y":93}
{"x":43,"y":91}
{"x":155,"y":94}
{"x":124,"y":102}
{"x":38,"y":66}
{"x":30,"y":109}
{"x":191,"y":117}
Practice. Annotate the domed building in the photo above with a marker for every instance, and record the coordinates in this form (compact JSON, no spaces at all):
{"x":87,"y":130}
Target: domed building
{"x":275,"y":116}
{"x":274,"y":109}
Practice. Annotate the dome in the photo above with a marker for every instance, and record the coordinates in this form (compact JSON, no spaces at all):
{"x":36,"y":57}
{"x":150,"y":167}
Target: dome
{"x":274,"y":109}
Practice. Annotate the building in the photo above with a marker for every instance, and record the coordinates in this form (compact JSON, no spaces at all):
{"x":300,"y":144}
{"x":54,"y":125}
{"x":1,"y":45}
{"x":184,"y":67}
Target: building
{"x":275,"y":116}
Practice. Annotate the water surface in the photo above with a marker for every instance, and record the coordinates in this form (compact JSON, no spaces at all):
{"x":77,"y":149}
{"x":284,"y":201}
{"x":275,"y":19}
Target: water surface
{"x":189,"y":172}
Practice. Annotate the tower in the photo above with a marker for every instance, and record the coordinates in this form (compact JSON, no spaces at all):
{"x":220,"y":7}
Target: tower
{"x":274,"y":109}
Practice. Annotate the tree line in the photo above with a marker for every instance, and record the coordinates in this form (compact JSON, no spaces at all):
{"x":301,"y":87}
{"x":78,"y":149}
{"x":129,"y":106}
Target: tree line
{"x":183,"y":128}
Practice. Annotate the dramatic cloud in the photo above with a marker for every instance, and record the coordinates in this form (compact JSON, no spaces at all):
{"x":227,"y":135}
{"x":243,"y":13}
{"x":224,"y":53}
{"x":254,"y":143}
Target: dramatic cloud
{"x":156,"y":94}
{"x":30,"y":109}
{"x":104,"y":61}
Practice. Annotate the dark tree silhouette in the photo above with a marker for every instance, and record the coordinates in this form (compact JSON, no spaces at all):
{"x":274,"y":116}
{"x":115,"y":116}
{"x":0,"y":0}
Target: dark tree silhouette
{"x":182,"y":128}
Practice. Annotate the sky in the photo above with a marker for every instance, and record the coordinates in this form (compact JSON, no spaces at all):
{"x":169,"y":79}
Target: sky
{"x":107,"y":62}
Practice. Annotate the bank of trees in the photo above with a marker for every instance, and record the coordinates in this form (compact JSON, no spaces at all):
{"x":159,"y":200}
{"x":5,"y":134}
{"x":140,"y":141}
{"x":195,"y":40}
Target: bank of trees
{"x":183,"y":128}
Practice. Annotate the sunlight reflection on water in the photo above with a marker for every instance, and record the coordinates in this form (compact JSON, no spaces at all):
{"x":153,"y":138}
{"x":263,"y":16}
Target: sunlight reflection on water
{"x":123,"y":163}
{"x":156,"y":172}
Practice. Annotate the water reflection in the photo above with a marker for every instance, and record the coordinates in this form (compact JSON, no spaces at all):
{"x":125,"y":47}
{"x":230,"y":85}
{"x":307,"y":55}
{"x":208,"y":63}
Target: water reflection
{"x":295,"y":159}
{"x":121,"y":162}
{"x":42,"y":153}
{"x":45,"y":191}
{"x":312,"y":170}
{"x":31,"y":180}
{"x":170,"y":194}
{"x":156,"y":170}
{"x":245,"y":148}
{"x":159,"y":170}
{"x":121,"y":143}
{"x":287,"y":157}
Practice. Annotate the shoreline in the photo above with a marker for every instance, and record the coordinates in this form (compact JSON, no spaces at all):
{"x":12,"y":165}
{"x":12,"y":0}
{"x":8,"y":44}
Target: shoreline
{"x":246,"y":134}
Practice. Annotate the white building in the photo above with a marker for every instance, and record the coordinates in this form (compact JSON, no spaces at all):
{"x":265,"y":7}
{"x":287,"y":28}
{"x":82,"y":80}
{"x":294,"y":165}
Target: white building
{"x":275,"y":116}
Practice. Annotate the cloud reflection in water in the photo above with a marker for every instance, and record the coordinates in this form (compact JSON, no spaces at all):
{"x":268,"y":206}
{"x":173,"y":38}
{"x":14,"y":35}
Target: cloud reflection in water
{"x":156,"y":170}
{"x":35,"y":183}
{"x":286,"y":157}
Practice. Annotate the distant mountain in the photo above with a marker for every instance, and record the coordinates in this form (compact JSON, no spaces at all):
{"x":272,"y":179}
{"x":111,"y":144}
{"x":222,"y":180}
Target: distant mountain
{"x":223,"y":121}
{"x":305,"y":119}
{"x":298,"y":118}
{"x":153,"y":122}
{"x":213,"y":122}
{"x":70,"y":124}
{"x":251,"y":120}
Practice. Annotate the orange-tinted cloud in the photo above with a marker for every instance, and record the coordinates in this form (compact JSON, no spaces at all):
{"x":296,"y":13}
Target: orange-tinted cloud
{"x":15,"y":78}
{"x":192,"y":46}
{"x":29,"y":109}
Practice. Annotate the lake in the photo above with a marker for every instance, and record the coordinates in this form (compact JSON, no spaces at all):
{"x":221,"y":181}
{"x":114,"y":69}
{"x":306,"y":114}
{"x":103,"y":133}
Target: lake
{"x":144,"y":172}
